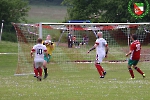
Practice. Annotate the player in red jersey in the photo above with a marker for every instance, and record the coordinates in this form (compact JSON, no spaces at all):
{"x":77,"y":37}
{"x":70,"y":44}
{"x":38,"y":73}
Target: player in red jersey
{"x":135,"y":49}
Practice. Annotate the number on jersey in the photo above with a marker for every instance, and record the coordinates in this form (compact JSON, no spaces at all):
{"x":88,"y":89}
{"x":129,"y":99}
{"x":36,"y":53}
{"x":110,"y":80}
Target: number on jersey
{"x":39,"y":51}
{"x":138,"y":47}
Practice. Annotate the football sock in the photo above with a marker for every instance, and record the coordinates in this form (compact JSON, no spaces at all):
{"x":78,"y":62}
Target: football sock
{"x":36,"y":72}
{"x":45,"y":71}
{"x":40,"y":71}
{"x":139,"y":70}
{"x":99,"y":69}
{"x":131,"y":72}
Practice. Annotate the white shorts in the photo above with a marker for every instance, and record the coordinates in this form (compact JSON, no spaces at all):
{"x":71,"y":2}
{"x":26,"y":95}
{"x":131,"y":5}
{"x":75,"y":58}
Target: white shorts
{"x":99,"y":58}
{"x":38,"y":63}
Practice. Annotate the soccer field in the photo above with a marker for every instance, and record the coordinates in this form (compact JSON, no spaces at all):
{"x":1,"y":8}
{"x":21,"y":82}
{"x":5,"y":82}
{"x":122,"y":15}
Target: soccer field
{"x":71,"y":81}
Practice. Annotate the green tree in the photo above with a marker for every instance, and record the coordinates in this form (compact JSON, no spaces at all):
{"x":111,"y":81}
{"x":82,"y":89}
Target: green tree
{"x":118,"y":11}
{"x":13,"y":11}
{"x":83,"y":9}
{"x":103,"y":11}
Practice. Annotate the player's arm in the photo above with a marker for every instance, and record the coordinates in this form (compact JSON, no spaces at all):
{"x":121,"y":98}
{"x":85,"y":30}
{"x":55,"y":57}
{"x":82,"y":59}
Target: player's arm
{"x":32,"y":51}
{"x":95,"y":45}
{"x":45,"y":51}
{"x":51,"y":45}
{"x":129,"y":53}
{"x":131,"y":49}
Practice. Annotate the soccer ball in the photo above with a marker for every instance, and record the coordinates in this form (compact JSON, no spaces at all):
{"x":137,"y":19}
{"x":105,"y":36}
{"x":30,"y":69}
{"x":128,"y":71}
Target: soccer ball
{"x":47,"y":42}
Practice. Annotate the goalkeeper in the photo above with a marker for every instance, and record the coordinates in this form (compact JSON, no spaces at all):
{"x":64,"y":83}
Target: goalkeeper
{"x":50,"y":47}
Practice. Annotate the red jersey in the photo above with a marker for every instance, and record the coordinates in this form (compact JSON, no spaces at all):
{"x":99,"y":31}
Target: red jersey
{"x":135,"y":47}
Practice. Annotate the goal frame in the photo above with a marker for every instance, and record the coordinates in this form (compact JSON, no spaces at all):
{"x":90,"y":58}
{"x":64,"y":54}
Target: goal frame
{"x":40,"y":28}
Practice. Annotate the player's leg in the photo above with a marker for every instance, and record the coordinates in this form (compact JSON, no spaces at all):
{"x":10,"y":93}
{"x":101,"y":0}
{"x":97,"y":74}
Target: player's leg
{"x":36,"y":69}
{"x":45,"y":69}
{"x":68,"y":43}
{"x":71,"y":44}
{"x":137,"y":68}
{"x":103,"y":71}
{"x":130,"y":63}
{"x":78,"y":44}
{"x":40,"y":70}
{"x":100,"y":60}
{"x":46,"y":60}
{"x":98,"y":66}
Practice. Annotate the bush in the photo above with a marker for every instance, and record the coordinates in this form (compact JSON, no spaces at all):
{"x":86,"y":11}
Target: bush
{"x":9,"y":36}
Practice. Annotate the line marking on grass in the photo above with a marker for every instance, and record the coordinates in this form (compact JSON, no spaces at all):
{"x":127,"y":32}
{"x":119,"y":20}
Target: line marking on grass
{"x":23,"y":74}
{"x":7,"y":53}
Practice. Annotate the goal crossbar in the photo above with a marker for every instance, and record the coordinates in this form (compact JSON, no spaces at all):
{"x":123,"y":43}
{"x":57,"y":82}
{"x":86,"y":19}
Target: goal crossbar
{"x":94,"y":23}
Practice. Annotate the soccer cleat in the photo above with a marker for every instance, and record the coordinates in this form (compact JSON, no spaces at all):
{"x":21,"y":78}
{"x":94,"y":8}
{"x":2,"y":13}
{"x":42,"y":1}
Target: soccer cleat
{"x":34,"y":76}
{"x":101,"y":76}
{"x":104,"y":73}
{"x":39,"y":79}
{"x":132,"y":78}
{"x":45,"y":76}
{"x":143,"y":75}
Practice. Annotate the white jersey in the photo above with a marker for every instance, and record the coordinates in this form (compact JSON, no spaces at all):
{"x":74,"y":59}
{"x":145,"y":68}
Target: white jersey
{"x":100,"y":49}
{"x":39,"y":52}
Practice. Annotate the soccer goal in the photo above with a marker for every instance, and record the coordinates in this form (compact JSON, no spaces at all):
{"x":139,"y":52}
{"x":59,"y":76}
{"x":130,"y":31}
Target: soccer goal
{"x":83,"y":36}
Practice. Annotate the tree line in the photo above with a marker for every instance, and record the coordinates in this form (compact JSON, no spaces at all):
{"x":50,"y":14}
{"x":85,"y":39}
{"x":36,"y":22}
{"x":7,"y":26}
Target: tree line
{"x":107,"y":10}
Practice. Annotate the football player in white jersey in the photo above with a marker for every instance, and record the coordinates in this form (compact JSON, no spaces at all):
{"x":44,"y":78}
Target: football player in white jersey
{"x":101,"y":47}
{"x":39,"y":49}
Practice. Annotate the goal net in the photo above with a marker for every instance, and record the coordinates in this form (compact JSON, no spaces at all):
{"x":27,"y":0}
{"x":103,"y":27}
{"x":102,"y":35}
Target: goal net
{"x":27,"y":35}
{"x":83,"y":36}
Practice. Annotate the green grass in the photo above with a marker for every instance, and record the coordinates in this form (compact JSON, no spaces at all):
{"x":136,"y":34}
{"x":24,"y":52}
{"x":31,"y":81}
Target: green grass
{"x":71,"y":81}
{"x":9,"y":47}
{"x":46,"y":14}
{"x":8,"y":62}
